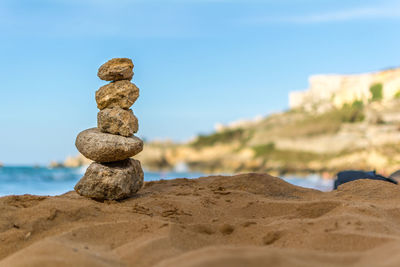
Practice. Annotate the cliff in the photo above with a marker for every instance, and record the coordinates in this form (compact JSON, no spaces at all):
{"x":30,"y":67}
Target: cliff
{"x":327,"y":91}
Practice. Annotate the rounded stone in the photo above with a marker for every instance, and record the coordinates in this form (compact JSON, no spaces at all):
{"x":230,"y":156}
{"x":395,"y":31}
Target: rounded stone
{"x":104,"y":147}
{"x":121,"y":94}
{"x":117,"y":121}
{"x":116,"y":69}
{"x":111,"y":181}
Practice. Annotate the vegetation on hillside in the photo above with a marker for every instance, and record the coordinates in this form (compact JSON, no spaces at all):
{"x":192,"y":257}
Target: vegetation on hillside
{"x":218,"y":138}
{"x":304,"y":124}
{"x":352,"y":113}
{"x":270,"y":152}
{"x":376,"y":91}
{"x":308,"y":124}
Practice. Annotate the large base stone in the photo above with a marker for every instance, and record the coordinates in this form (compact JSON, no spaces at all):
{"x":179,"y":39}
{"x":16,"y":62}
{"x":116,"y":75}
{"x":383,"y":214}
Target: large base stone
{"x":111,"y":181}
{"x":117,"y":121}
{"x":104,"y":147}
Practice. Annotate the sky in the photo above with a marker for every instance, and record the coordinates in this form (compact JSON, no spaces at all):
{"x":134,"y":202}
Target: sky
{"x":197,"y":62}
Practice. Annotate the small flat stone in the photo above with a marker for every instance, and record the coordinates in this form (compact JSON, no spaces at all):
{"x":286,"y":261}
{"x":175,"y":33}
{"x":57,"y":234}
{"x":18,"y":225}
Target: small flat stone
{"x":104,"y":147}
{"x":111,"y":181}
{"x":116,"y":69}
{"x":121,"y":94}
{"x":117,"y":121}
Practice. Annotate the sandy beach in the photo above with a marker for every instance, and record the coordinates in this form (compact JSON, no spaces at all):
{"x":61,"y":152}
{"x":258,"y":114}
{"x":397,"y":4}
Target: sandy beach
{"x":242,"y":220}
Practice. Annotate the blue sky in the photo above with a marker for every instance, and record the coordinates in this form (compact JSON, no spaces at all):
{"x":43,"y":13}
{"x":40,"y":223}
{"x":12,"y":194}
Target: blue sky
{"x":197,"y":62}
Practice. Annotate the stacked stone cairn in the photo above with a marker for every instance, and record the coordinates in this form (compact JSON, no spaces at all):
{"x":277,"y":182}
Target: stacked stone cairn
{"x":113,"y":175}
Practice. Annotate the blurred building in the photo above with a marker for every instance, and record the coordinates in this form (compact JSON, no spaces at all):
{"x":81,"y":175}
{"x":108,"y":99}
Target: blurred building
{"x":328,"y":91}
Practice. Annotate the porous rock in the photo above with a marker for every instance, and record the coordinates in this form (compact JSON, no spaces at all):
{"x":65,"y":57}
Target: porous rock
{"x":121,"y":94}
{"x":104,"y":147}
{"x":111,"y":181}
{"x":116,"y":69}
{"x":117,"y":121}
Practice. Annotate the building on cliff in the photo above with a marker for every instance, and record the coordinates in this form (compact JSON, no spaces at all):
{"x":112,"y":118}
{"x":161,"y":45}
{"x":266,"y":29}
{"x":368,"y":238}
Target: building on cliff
{"x":328,"y":91}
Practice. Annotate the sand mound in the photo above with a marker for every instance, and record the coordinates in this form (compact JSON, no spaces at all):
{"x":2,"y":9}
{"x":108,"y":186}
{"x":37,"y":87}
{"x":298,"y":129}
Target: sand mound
{"x":243,"y":220}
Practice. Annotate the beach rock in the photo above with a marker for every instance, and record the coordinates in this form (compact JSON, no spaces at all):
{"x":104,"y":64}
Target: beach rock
{"x":117,"y":121}
{"x":104,"y":147}
{"x":117,"y":94}
{"x":116,"y":69}
{"x":111,"y":181}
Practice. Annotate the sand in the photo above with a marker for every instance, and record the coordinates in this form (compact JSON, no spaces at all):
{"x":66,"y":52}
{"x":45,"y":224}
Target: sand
{"x":243,"y":220}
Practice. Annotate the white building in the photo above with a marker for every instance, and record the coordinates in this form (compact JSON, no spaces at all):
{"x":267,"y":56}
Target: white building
{"x":336,"y":90}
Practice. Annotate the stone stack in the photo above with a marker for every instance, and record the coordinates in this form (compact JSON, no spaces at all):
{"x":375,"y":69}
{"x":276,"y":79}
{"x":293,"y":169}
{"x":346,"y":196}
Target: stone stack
{"x":113,"y":175}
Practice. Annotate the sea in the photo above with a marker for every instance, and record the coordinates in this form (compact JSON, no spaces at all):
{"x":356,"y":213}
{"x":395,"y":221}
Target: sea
{"x":19,"y":180}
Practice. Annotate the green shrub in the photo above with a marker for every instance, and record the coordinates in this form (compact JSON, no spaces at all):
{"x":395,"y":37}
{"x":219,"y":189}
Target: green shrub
{"x":289,"y":157}
{"x":221,"y":137}
{"x":354,"y":113}
{"x":319,"y":124}
{"x":397,"y":95}
{"x":262,"y":150}
{"x":376,"y":91}
{"x":358,"y":104}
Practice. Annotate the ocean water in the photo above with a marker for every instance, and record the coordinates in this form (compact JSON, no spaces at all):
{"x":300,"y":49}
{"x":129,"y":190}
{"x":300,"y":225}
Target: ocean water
{"x":48,"y":181}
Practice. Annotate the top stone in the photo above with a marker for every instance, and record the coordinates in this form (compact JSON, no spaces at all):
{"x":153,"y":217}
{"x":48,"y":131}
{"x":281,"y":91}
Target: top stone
{"x":116,"y":69}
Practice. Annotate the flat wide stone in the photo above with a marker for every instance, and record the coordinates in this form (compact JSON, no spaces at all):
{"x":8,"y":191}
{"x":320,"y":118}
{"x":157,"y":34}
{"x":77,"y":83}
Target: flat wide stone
{"x":117,"y":121}
{"x":121,"y":94}
{"x":116,"y":69}
{"x":104,"y":147}
{"x":112,"y":181}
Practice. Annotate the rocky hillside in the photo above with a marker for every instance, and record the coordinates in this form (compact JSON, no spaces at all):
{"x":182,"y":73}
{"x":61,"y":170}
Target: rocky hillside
{"x":358,"y":136}
{"x":361,"y":134}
